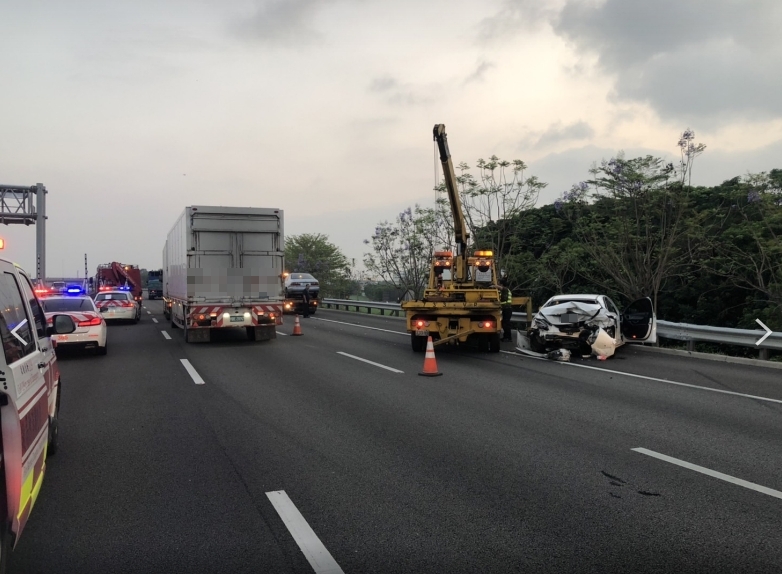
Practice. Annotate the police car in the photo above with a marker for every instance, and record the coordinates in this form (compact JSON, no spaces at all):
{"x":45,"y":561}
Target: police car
{"x":91,"y":331}
{"x":29,"y":400}
{"x":118,"y":305}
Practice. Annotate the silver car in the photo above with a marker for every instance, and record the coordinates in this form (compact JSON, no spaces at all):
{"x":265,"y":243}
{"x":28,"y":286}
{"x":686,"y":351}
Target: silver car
{"x":118,"y":305}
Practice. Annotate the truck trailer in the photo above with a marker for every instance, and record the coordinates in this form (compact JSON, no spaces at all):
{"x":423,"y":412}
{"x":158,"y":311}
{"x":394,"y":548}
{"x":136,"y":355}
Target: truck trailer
{"x":119,"y":276}
{"x":223,"y":269}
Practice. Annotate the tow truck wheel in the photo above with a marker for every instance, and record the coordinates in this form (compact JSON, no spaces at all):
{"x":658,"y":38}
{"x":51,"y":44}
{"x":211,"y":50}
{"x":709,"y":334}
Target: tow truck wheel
{"x":494,"y":343}
{"x":418,"y":343}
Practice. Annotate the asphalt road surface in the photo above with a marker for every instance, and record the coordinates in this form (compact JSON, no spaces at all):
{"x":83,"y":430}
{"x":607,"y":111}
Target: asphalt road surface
{"x":328,"y":453}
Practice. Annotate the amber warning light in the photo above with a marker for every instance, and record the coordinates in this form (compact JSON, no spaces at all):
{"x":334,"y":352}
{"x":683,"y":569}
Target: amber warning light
{"x":2,"y":243}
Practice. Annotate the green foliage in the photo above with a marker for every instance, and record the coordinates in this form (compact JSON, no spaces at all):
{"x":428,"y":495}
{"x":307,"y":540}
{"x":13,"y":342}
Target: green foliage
{"x":313,"y":253}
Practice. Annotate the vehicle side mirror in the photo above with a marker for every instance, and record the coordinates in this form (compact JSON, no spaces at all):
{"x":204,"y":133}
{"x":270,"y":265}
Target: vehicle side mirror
{"x":61,"y":325}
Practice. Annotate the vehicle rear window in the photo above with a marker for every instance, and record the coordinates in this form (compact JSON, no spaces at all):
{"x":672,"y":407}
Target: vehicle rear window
{"x":302,"y":276}
{"x":112,"y":296}
{"x":75,"y":304}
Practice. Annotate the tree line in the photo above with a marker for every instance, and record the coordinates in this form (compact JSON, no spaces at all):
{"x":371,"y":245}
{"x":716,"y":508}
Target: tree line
{"x":636,"y":227}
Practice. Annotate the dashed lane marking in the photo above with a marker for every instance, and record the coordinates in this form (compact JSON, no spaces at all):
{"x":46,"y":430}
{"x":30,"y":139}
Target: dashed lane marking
{"x":393,"y":370}
{"x":149,"y":312}
{"x":362,"y":326}
{"x":281,"y":333}
{"x":709,"y":472}
{"x":192,"y":372}
{"x":154,"y":320}
{"x":166,"y":335}
{"x":314,"y":551}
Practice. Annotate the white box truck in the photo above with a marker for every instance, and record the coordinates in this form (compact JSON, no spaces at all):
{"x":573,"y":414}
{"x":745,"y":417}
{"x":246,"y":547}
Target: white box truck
{"x":223,"y":268}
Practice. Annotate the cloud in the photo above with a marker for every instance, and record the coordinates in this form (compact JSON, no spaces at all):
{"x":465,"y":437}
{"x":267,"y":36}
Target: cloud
{"x":397,"y":93}
{"x":557,"y":133}
{"x":516,"y":16}
{"x":479,"y":73}
{"x":285,"y":22}
{"x":694,"y":60}
{"x":689,"y":60}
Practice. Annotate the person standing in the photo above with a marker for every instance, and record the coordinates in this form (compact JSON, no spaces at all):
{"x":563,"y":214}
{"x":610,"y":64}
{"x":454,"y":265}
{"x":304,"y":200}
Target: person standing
{"x":306,"y":298}
{"x":506,"y":300}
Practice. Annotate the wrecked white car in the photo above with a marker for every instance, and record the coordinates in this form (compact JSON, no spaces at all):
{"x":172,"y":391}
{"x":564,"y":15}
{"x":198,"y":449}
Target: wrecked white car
{"x":587,"y":325}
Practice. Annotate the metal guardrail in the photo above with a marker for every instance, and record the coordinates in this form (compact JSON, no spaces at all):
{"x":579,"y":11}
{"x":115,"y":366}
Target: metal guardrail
{"x":665,"y":329}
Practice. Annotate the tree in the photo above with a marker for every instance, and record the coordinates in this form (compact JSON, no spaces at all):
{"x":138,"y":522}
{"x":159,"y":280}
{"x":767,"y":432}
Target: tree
{"x":636,"y":219}
{"x":313,"y":253}
{"x":492,"y":203}
{"x":402,"y":251}
{"x":746,"y":239}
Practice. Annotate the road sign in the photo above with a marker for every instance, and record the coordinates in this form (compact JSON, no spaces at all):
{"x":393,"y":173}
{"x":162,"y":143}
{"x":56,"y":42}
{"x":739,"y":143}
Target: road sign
{"x":768,"y":332}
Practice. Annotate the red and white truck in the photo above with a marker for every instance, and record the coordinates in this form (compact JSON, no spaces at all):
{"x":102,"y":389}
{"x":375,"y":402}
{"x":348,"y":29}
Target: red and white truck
{"x":223,"y":268}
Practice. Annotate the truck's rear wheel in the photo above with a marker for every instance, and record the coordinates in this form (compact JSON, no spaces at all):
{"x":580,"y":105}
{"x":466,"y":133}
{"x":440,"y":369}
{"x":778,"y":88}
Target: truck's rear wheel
{"x":494,"y":343}
{"x":418,"y":343}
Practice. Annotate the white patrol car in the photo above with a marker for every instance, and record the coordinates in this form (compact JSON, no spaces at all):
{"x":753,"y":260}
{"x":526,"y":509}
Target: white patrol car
{"x":29,"y":400}
{"x":118,"y":305}
{"x":91,"y":330}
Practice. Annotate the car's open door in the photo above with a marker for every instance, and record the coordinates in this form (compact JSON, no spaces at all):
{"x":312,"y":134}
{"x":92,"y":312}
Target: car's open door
{"x":639,"y":323}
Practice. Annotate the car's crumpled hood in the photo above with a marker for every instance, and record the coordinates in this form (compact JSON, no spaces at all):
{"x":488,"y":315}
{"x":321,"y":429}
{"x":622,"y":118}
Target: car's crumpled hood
{"x":584,"y":312}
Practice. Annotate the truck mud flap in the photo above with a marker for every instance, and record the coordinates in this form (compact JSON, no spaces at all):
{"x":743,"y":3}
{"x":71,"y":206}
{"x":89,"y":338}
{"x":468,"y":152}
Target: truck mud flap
{"x":198,"y":335}
{"x":262,"y":333}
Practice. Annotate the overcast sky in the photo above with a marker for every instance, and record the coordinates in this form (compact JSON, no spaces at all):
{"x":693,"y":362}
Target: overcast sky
{"x":129,"y":111}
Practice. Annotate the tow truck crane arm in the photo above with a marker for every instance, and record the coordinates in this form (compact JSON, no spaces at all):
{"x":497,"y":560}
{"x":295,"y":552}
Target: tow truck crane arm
{"x":459,"y":224}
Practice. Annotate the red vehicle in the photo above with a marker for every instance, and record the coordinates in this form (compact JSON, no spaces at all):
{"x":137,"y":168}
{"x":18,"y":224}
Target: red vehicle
{"x":119,"y":276}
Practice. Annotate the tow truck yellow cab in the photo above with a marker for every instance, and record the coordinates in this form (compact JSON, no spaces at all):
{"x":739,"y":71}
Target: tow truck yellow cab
{"x":29,"y":400}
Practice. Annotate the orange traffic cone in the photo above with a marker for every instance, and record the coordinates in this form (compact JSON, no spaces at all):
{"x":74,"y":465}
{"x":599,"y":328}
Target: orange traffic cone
{"x":297,"y":328}
{"x":430,"y":364}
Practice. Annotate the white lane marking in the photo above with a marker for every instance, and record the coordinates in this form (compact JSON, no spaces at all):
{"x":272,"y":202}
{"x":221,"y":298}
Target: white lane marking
{"x":154,"y":320}
{"x":166,"y":335}
{"x":315,"y":552}
{"x":192,"y":372}
{"x":778,"y":401}
{"x":149,"y":312}
{"x":370,"y":362}
{"x":362,"y":326}
{"x":709,"y":472}
{"x":281,"y":333}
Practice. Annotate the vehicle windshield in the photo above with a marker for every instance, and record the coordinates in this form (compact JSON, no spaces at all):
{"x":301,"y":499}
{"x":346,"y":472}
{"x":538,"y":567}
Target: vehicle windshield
{"x":70,"y":304}
{"x":112,"y":296}
{"x":58,"y":284}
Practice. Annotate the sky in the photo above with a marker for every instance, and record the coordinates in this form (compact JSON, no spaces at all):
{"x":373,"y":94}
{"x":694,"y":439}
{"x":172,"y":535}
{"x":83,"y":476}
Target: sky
{"x":129,"y":111}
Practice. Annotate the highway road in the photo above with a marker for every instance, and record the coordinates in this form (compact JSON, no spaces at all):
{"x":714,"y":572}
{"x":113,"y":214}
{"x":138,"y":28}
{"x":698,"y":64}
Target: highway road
{"x":328,"y":453}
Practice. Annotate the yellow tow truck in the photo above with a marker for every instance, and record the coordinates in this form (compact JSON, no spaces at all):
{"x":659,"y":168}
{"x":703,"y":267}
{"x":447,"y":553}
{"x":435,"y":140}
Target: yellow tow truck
{"x":462,"y":300}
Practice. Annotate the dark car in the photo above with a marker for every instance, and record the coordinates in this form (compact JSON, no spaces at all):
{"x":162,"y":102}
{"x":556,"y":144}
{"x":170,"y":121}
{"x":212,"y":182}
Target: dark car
{"x":295,"y":283}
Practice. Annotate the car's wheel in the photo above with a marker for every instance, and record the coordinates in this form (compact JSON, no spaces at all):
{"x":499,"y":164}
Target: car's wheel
{"x":418,"y":343}
{"x":102,"y":350}
{"x":54,"y":425}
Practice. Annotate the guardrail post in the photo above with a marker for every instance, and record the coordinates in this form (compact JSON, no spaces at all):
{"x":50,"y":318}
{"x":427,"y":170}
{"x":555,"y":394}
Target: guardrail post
{"x":691,"y":346}
{"x":763,"y":355}
{"x":382,"y":311}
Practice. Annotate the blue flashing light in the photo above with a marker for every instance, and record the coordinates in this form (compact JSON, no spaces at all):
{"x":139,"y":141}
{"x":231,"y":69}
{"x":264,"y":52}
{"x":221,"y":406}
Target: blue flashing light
{"x":74,"y":291}
{"x":124,"y":288}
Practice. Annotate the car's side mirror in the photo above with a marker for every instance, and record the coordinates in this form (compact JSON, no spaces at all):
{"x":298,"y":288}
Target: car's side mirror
{"x":61,"y":325}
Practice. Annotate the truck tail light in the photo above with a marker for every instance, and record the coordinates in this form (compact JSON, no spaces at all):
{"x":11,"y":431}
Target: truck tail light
{"x":487,"y":324}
